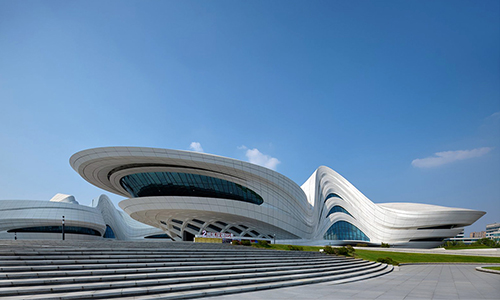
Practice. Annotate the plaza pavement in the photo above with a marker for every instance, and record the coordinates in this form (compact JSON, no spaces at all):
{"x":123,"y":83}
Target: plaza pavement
{"x":409,"y":282}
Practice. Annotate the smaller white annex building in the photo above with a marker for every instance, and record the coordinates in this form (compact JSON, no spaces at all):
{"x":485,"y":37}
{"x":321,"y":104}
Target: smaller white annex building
{"x":30,"y":219}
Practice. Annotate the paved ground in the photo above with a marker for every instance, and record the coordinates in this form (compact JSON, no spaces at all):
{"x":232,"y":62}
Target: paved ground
{"x":410,"y":282}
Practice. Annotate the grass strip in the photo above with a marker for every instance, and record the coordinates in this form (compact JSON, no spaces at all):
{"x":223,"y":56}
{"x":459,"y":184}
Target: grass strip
{"x":286,"y":247}
{"x":467,"y":247}
{"x":424,"y":258}
{"x":492,"y":268}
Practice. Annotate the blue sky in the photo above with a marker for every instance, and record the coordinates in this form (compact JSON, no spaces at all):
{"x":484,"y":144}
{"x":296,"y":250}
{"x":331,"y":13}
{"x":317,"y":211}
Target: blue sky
{"x":400,"y":97}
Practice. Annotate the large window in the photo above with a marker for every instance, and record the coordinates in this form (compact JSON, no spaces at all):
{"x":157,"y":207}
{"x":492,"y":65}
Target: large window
{"x":58,"y":229}
{"x":158,"y":236}
{"x":109,"y":233}
{"x":336,"y":209}
{"x":184,"y":184}
{"x":343,"y":230}
{"x":332,"y":195}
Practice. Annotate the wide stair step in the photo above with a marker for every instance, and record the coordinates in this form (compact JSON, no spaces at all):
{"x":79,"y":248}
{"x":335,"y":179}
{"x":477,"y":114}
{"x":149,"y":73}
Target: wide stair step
{"x":173,"y":272}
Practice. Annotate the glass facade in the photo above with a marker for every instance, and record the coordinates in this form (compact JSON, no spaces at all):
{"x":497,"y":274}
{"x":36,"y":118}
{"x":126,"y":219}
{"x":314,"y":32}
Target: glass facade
{"x":58,"y":229}
{"x":343,"y":230}
{"x":157,"y":236}
{"x":109,"y":233}
{"x":332,"y":195}
{"x":337,"y":208}
{"x":215,"y":228}
{"x":185,"y":184}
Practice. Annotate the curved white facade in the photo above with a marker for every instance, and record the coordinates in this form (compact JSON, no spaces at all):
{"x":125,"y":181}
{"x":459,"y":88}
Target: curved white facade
{"x":184,"y":193}
{"x":408,"y":224}
{"x":30,"y":219}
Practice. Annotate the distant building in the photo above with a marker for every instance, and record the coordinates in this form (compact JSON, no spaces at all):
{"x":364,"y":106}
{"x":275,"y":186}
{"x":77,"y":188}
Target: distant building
{"x":478,"y":235}
{"x":493,"y":231}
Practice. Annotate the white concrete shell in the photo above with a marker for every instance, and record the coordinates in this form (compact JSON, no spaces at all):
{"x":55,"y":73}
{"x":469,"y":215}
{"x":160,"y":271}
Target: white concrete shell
{"x":405,"y":224}
{"x":291,"y":213}
{"x":31,"y":219}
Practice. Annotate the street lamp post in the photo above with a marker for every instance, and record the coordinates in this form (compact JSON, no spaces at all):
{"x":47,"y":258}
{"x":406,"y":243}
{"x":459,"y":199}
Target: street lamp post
{"x":63,"y":228}
{"x":274,"y":238}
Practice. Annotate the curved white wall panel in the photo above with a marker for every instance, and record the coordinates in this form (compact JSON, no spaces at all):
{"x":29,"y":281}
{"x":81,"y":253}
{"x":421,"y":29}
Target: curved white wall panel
{"x":183,"y":193}
{"x":406,"y":224}
{"x":29,"y":219}
{"x":123,"y":226}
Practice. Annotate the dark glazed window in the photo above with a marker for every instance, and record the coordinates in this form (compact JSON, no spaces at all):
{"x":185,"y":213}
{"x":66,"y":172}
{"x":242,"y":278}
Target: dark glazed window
{"x":343,"y":230}
{"x":58,"y":229}
{"x":195,"y":228}
{"x":337,"y":208}
{"x":184,"y":184}
{"x":108,"y":234}
{"x":157,"y":236}
{"x":237,"y":230}
{"x":215,"y":228}
{"x":332,"y":195}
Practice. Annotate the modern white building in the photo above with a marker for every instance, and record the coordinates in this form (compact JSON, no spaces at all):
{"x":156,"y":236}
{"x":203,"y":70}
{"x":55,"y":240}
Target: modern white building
{"x":184,"y":193}
{"x":30,"y":219}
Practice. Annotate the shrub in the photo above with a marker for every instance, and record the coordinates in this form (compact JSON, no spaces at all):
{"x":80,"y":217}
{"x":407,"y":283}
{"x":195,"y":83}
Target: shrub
{"x":245,"y":243}
{"x":263,"y":244}
{"x":384,"y":245}
{"x":235,"y":242}
{"x":361,"y":245}
{"x":329,"y":250}
{"x":295,"y":248}
{"x":346,"y":251}
{"x":452,"y":244}
{"x":342,"y":251}
{"x":387,"y":260}
{"x":487,"y":242}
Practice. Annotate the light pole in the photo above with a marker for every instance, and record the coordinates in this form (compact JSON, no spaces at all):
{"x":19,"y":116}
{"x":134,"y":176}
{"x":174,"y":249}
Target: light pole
{"x":63,"y":228}
{"x":274,"y":238}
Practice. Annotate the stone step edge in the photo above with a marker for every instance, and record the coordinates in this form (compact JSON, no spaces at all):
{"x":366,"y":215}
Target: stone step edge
{"x":141,"y":293}
{"x":94,"y":263}
{"x":138,"y":269}
{"x":171,"y":275}
{"x":13,"y":263}
{"x":254,"y":287}
{"x":119,"y":287}
{"x":52,"y":255}
{"x":156,"y":251}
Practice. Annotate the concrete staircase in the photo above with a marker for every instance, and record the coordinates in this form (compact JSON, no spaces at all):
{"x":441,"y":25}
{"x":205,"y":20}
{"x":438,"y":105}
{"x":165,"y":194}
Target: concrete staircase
{"x":162,"y":270}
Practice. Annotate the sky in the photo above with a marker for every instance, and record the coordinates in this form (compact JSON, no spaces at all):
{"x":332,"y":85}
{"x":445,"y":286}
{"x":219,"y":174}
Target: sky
{"x":402,"y":98}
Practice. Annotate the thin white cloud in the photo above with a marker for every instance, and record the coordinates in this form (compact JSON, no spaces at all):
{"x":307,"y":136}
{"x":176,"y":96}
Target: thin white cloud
{"x":446,"y":157}
{"x":254,"y":156}
{"x":495,"y":115}
{"x":195,"y":146}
